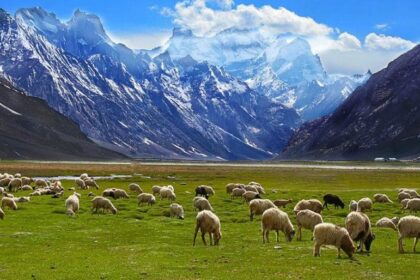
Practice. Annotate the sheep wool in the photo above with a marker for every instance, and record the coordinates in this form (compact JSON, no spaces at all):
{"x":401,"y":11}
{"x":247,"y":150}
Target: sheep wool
{"x":146,"y":198}
{"x":364,"y":204}
{"x":408,"y":227}
{"x":135,"y":188}
{"x":307,"y":219}
{"x":72,"y":204}
{"x":388,"y":223}
{"x":359,"y":227}
{"x":200,"y":203}
{"x":330,"y":234}
{"x":208,"y":222}
{"x":413,"y":205}
{"x":381,"y":198}
{"x":258,"y":206}
{"x":8,"y":202}
{"x":237,"y":192}
{"x":100,"y":202}
{"x":176,"y":210}
{"x":277,"y":220}
{"x":311,"y":204}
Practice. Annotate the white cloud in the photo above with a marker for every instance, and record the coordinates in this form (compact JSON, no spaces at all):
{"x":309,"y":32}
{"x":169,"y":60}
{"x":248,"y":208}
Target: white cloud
{"x":348,"y":41}
{"x":148,"y":40}
{"x":382,"y":26}
{"x":374,"y":41}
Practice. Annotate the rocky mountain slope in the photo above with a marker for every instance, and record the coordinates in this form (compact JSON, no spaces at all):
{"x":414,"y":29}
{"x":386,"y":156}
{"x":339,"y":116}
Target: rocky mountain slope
{"x":379,"y":119}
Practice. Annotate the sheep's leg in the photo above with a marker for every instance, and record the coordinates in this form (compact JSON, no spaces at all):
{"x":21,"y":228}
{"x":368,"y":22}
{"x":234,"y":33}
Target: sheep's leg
{"x":211,"y":238}
{"x":338,"y":252}
{"x":195,"y":234}
{"x":400,"y":245}
{"x":415,"y":244}
{"x":265,"y":235}
{"x":251,"y":216}
{"x":317,"y":248}
{"x":277,"y":236}
{"x":299,"y":233}
{"x":203,"y":237}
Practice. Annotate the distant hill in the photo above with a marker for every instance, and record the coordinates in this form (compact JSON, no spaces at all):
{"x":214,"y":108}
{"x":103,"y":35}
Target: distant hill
{"x":380,"y":119}
{"x":29,"y":129}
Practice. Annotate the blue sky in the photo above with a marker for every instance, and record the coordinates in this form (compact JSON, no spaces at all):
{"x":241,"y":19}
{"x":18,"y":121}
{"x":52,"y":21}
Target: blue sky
{"x":367,"y":34}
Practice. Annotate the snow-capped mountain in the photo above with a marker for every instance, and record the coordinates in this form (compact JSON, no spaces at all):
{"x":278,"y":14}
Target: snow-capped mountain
{"x":284,"y":69}
{"x":160,"y":106}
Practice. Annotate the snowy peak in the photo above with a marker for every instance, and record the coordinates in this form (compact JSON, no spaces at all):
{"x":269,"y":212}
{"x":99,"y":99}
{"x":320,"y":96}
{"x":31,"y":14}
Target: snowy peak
{"x":88,"y":27}
{"x":46,"y":23}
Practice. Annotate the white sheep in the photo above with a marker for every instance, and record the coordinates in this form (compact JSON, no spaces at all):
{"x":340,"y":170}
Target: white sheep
{"x":282,"y":202}
{"x":237,"y":192}
{"x":359,"y":227}
{"x":200,"y":203}
{"x":403,"y":195}
{"x":26,"y":188}
{"x":5,"y":182}
{"x":209,"y":190}
{"x":381,"y":198}
{"x":404,"y":203}
{"x":8,"y":202}
{"x":146,"y":198}
{"x":413,"y":205}
{"x":251,"y":188}
{"x":72,"y":204}
{"x":115,"y":193}
{"x":353,"y":205}
{"x":15,"y":184}
{"x":80,"y":183}
{"x":307,"y":219}
{"x":277,"y":220}
{"x":156,"y":189}
{"x":100,"y":202}
{"x":250,"y":195}
{"x":84,"y":176}
{"x":41,"y":183}
{"x":311,"y":204}
{"x":91,"y":183}
{"x":27,"y":180}
{"x":408,"y":227}
{"x":388,"y":223}
{"x":135,"y":188}
{"x":22,"y":199}
{"x":411,"y":192}
{"x":168,"y":193}
{"x":231,"y":186}
{"x":176,"y":210}
{"x":330,"y":234}
{"x":364,"y":204}
{"x":258,"y":206}
{"x":208,"y":222}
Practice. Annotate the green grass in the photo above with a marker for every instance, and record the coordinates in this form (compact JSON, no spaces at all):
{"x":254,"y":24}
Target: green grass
{"x":38,"y":241}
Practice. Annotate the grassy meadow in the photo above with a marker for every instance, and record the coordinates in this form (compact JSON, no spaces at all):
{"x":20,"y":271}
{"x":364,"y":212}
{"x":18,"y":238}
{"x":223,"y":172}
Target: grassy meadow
{"x":38,"y":241}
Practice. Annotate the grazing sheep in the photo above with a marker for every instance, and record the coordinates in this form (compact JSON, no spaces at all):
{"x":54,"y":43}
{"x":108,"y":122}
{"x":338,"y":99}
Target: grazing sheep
{"x":168,"y":193}
{"x":2,"y":214}
{"x":119,"y":193}
{"x":156,"y":189}
{"x":364,"y":204}
{"x":408,"y":227}
{"x":359,"y":228}
{"x":176,"y":210}
{"x":388,"y":223}
{"x":258,"y":206}
{"x":251,"y":188}
{"x":5,"y":182}
{"x":237,"y":192}
{"x":201,"y":191}
{"x":330,"y":234}
{"x":22,"y":199}
{"x":26,"y":188}
{"x":58,"y":195}
{"x":72,"y":204}
{"x":282,"y":202}
{"x":8,"y":202}
{"x":27,"y":180}
{"x":311,"y":204}
{"x":200,"y":203}
{"x":258,"y":186}
{"x":307,"y":219}
{"x":109,"y":192}
{"x":332,"y":199}
{"x":249,"y":195}
{"x":91,"y":183}
{"x":353,"y":205}
{"x":381,"y":198}
{"x":210,"y":191}
{"x":404,"y":203}
{"x":413,"y":205}
{"x":275,"y":219}
{"x":100,"y":202}
{"x":411,"y":192}
{"x":41,"y":183}
{"x":146,"y":198}
{"x":403,"y":195}
{"x":231,"y":186}
{"x":208,"y":222}
{"x":135,"y":188}
{"x":15,"y":184}
{"x":84,"y":176}
{"x":80,"y":183}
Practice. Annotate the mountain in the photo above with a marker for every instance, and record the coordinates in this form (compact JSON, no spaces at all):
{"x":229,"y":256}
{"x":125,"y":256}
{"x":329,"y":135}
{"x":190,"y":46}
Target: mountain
{"x":161,"y":106}
{"x":283,"y":69}
{"x":29,"y":129}
{"x":379,"y":119}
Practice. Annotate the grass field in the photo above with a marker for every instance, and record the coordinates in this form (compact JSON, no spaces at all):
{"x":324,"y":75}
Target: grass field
{"x":38,"y":241}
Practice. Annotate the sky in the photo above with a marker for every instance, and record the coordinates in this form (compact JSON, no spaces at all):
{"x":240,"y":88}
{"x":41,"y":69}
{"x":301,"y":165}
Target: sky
{"x":350,"y":36}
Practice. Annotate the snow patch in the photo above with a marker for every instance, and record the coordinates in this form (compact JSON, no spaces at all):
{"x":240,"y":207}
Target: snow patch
{"x":10,"y":110}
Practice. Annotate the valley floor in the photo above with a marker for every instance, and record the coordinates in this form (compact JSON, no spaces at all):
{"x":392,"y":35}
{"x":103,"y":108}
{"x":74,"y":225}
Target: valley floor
{"x":38,"y":241}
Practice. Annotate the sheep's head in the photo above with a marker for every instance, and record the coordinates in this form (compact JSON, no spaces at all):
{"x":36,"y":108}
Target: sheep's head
{"x":347,"y":245}
{"x":341,"y":204}
{"x":290,"y":235}
{"x":257,"y":196}
{"x":217,"y":236}
{"x":369,"y":240}
{"x":114,"y":210}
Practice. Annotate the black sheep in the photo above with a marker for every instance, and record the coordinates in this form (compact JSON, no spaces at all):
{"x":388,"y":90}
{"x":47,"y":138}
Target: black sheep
{"x":333,"y":199}
{"x":201,"y":191}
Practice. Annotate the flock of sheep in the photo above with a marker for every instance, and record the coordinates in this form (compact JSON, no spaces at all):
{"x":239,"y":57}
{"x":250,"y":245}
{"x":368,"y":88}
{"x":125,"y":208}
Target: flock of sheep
{"x":308,"y":212}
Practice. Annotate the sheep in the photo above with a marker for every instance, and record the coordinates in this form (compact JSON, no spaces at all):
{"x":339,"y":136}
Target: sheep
{"x":249,"y":195}
{"x":22,"y":199}
{"x":408,"y":227}
{"x":364,"y":204}
{"x":413,"y":205}
{"x":91,"y":183}
{"x":115,"y":193}
{"x":359,"y":228}
{"x":8,"y":202}
{"x":200,"y":203}
{"x":404,"y":203}
{"x":72,"y":204}
{"x":100,"y":202}
{"x":26,"y":188}
{"x":251,"y":188}
{"x":41,"y":183}
{"x":307,"y":219}
{"x":58,"y":195}
{"x":381,"y":198}
{"x":146,"y":198}
{"x":135,"y":188}
{"x":258,"y":206}
{"x":156,"y":189}
{"x":411,"y":192}
{"x":5,"y":182}
{"x":109,"y":192}
{"x":210,"y":191}
{"x":353,"y":205}
{"x":17,"y":175}
{"x":237,"y":192}
{"x":330,"y":234}
{"x":388,"y":223}
{"x":84,"y":176}
{"x":168,"y":193}
{"x":282,"y":202}
{"x":15,"y":184}
{"x":332,"y":199}
{"x":275,"y":219}
{"x":80,"y":183}
{"x":2,"y":215}
{"x":27,"y":180}
{"x":176,"y":210}
{"x":208,"y":222}
{"x":258,"y":186}
{"x":231,"y":186}
{"x":90,"y":194}
{"x":201,"y":191}
{"x":311,"y":204}
{"x":403,"y":195}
